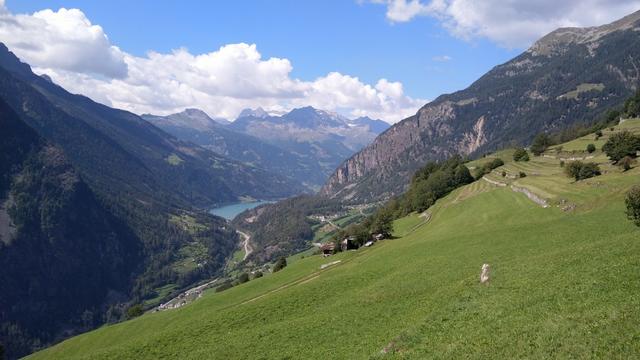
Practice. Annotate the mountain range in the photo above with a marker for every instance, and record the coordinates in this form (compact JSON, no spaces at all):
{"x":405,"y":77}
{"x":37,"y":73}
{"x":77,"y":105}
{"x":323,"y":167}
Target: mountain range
{"x":570,"y":76}
{"x":306,"y":144}
{"x":101,"y":209}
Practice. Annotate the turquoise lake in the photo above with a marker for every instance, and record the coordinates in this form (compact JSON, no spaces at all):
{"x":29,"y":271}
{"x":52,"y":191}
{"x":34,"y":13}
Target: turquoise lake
{"x":232,"y":210}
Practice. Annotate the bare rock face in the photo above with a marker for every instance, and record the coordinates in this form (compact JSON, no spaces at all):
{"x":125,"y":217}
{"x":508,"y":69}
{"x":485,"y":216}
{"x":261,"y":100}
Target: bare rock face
{"x":568,"y":77}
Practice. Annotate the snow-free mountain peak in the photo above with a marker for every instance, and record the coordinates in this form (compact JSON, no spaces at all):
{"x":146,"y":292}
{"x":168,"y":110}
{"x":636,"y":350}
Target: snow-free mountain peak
{"x":257,"y":113}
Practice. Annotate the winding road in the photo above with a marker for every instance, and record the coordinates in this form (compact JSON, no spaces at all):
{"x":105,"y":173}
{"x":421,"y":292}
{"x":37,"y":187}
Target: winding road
{"x":247,"y":246}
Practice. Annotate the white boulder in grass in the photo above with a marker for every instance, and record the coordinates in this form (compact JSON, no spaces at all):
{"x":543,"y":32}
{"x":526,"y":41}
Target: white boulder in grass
{"x":484,"y":274}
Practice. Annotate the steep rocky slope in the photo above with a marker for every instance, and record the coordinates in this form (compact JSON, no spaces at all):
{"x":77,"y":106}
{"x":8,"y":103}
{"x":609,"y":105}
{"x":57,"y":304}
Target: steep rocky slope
{"x":569,"y":76}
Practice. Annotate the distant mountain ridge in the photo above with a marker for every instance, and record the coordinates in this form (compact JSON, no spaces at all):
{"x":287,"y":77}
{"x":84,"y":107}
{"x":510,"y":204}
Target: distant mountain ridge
{"x":305,"y":144}
{"x":569,"y":76}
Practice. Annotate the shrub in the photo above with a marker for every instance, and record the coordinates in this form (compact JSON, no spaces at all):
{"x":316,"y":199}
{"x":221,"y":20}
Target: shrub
{"x":243,"y":278}
{"x":224,"y":286}
{"x":504,"y":173}
{"x":591,"y":148}
{"x":632,"y":201}
{"x":580,"y":171}
{"x":598,"y":134}
{"x":561,"y":163}
{"x":522,"y":174}
{"x":280,"y":264}
{"x":135,"y":311}
{"x":626,"y":162}
{"x":632,"y":106}
{"x":258,"y":274}
{"x":496,"y":163}
{"x":540,"y":143}
{"x":620,"y":145}
{"x":520,"y":155}
{"x":589,"y":170}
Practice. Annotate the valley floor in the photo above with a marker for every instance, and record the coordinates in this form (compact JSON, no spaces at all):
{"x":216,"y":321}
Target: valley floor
{"x":565,"y":284}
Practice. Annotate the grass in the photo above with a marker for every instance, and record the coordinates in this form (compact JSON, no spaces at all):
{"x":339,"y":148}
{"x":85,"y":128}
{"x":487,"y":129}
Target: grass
{"x":582,"y":88}
{"x":565,"y":284}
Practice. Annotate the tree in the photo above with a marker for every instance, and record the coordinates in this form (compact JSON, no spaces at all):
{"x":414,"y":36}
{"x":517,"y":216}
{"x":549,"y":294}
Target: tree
{"x":591,"y":148}
{"x":588,"y":170}
{"x":383,"y":222}
{"x":135,"y":311}
{"x":626,"y":163}
{"x":87,"y":319}
{"x":280,"y":264}
{"x":520,"y":155}
{"x":620,"y":145}
{"x":522,"y":174}
{"x":612,"y":115}
{"x":540,"y":143}
{"x":243,"y":278}
{"x":632,"y":201}
{"x":632,"y":106}
{"x":224,"y":286}
{"x":495,"y":163}
{"x":257,"y":274}
{"x":580,"y":171}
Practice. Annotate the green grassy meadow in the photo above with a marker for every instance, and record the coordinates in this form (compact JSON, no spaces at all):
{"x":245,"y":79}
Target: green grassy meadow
{"x":565,"y":283}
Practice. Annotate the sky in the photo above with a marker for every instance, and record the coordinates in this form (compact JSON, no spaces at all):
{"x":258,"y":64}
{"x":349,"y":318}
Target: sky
{"x":380,"y":58}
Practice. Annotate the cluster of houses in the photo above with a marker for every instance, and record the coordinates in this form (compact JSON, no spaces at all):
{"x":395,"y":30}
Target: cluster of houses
{"x":348,"y":243}
{"x":185,"y":297}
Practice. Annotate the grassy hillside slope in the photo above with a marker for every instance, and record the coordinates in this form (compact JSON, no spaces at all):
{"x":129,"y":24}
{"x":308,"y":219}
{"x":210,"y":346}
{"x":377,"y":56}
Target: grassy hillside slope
{"x":565,"y":283}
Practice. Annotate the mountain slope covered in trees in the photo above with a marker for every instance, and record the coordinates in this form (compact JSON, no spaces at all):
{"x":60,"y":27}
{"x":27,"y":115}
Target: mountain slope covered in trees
{"x":64,"y":256}
{"x":108,"y":212}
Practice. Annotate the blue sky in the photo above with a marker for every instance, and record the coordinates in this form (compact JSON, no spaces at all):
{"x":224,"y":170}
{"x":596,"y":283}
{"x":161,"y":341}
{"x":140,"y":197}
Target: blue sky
{"x":381,"y":58}
{"x":318,"y":37}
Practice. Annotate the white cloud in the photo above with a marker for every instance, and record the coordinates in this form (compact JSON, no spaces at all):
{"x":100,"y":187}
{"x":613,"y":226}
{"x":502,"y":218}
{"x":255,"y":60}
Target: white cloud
{"x":514,"y":23}
{"x":78,"y":56}
{"x":442,"y":58}
{"x":63,"y":39}
{"x":401,"y":10}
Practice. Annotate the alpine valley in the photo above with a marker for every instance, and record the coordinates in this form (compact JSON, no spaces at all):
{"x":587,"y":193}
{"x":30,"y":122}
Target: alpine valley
{"x":306,"y":144}
{"x":498,"y":221}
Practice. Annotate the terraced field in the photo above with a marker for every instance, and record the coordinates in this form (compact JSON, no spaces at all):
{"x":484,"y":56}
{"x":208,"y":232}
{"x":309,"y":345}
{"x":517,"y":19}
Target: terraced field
{"x":565,"y":283}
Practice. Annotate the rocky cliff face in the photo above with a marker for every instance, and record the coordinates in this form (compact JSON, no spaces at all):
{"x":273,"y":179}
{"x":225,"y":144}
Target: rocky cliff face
{"x":569,"y":76}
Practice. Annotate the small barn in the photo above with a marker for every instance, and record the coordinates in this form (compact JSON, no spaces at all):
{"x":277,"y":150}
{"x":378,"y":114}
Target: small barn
{"x":327,"y":249}
{"x":349,"y":243}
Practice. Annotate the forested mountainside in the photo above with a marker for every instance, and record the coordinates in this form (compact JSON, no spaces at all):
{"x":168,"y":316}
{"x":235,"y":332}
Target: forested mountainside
{"x":283,"y":228}
{"x":63,"y":255}
{"x":122,"y":139}
{"x":105,"y":176}
{"x":568,"y":77}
